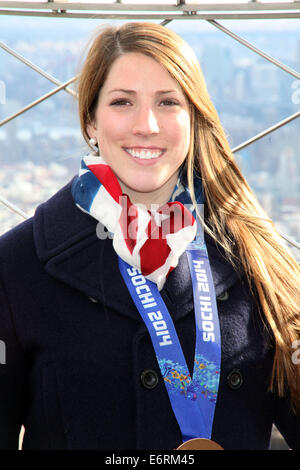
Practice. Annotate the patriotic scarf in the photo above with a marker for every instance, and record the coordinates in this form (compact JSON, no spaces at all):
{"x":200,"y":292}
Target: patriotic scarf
{"x":149,"y":240}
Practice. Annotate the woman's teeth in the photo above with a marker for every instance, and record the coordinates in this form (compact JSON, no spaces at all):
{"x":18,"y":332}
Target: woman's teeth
{"x":144,"y":154}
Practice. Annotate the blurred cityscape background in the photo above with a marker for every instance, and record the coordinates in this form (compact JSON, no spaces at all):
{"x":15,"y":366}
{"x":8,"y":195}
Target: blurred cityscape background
{"x":40,"y":150}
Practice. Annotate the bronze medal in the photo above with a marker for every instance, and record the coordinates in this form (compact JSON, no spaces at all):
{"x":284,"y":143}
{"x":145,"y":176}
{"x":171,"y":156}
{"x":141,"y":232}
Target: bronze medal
{"x":200,"y":444}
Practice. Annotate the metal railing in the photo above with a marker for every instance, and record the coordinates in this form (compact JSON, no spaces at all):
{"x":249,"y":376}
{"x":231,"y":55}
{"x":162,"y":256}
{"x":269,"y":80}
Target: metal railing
{"x":178,"y":9}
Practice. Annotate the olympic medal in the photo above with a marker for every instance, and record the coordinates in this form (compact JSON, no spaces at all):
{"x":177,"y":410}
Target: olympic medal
{"x":199,"y":444}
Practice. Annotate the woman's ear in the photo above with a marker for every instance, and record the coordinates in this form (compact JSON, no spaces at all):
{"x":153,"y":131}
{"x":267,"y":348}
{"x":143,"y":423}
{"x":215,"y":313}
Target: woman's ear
{"x":91,"y":130}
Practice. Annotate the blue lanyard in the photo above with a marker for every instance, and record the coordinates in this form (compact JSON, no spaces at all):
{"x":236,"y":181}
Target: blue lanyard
{"x":193,"y":399}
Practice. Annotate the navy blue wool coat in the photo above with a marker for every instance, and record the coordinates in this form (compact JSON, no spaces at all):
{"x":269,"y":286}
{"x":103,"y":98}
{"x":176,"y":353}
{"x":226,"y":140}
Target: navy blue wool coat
{"x":77,"y":348}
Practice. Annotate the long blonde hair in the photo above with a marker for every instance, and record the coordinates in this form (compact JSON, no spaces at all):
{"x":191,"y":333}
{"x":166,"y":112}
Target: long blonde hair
{"x":235,"y":218}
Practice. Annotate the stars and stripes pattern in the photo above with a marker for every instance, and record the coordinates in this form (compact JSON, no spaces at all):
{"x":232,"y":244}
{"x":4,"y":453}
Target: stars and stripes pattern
{"x":149,"y":240}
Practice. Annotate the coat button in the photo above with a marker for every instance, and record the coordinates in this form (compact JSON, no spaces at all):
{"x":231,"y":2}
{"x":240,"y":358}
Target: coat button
{"x":235,"y":379}
{"x":149,"y":378}
{"x":223,"y":296}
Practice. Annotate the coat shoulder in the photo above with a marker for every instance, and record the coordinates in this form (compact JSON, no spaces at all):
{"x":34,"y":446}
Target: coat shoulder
{"x":18,"y":246}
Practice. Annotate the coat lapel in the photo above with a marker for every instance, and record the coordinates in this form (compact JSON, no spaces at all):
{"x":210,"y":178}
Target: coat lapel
{"x":68,"y":246}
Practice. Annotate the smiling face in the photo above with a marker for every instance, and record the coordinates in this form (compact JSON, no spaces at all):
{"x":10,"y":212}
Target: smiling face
{"x":142,"y":126}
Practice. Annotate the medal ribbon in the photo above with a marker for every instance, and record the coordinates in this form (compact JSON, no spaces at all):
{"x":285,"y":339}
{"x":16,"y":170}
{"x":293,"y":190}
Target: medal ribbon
{"x":193,"y":399}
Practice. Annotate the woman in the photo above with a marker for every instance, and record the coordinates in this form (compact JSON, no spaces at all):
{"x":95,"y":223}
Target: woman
{"x":131,"y":319}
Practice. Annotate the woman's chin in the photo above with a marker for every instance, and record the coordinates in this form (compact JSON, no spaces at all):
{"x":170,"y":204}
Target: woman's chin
{"x":141,"y":189}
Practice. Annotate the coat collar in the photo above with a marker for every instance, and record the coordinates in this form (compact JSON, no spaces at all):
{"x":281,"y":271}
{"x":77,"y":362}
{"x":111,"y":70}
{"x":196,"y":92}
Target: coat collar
{"x":67,"y":244}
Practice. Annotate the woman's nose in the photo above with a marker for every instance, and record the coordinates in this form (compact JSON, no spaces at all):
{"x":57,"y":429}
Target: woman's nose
{"x":145,"y":122}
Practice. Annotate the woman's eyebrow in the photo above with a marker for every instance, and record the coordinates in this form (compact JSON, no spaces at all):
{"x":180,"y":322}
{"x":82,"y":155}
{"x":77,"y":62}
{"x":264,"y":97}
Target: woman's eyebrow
{"x":122,"y":90}
{"x":158,"y":92}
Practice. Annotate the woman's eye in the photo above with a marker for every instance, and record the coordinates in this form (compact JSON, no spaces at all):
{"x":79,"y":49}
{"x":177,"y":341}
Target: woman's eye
{"x":169,"y":103}
{"x":119,"y":103}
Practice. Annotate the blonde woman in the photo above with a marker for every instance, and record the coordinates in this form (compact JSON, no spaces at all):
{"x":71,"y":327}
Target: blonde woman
{"x":150,"y":303}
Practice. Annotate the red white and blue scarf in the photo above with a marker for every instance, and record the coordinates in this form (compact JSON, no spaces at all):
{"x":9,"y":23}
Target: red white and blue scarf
{"x":149,"y":240}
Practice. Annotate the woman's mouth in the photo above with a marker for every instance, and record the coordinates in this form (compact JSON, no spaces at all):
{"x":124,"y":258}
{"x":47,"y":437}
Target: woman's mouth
{"x":144,"y":153}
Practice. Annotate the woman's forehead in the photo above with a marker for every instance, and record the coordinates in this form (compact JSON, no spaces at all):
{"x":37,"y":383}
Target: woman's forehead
{"x":133,"y":71}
